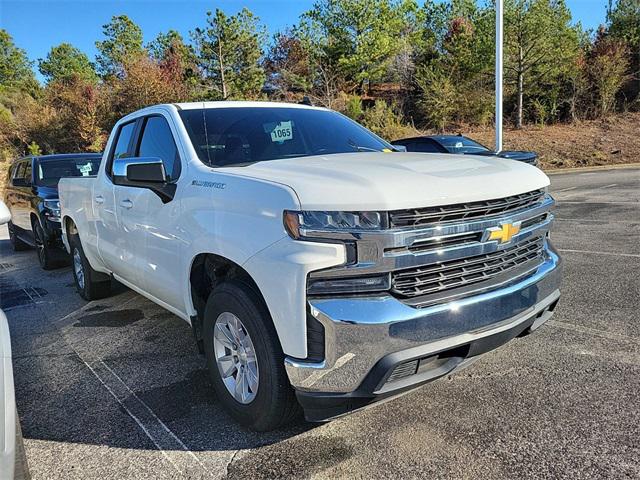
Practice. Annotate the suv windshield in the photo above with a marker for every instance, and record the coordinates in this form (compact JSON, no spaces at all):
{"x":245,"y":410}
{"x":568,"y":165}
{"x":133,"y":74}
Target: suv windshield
{"x":49,"y":172}
{"x":244,"y":135}
{"x":461,"y":145}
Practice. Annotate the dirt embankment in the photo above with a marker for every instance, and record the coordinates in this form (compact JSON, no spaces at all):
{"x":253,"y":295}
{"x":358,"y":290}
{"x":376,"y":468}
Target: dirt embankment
{"x":610,"y":141}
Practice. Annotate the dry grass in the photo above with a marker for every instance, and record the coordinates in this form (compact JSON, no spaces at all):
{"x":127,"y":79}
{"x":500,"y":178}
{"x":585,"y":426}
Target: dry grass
{"x":610,"y":141}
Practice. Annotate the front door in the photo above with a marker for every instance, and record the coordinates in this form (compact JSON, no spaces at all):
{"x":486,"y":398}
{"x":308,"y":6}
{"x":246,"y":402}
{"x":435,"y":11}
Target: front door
{"x":153,"y":224}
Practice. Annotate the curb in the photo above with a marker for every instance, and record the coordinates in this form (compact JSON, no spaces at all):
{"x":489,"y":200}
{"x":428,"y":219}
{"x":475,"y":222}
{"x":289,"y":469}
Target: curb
{"x":594,"y":168}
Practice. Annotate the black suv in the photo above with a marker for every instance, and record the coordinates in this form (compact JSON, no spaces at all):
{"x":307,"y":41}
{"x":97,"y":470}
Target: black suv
{"x":31,"y":194}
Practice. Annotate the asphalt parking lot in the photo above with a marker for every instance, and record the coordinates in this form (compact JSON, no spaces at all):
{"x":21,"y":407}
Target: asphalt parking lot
{"x":114,"y":389}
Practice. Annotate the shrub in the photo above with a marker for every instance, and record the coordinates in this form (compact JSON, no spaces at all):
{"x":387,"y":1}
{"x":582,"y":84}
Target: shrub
{"x":382,"y":120}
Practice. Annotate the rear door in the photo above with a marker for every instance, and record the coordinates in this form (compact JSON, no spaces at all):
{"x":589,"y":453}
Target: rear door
{"x":111,"y":240}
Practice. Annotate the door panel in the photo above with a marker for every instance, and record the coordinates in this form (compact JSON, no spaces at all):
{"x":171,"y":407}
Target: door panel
{"x":132,"y":207}
{"x":152,"y":226}
{"x":159,"y":253}
{"x":110,"y":241}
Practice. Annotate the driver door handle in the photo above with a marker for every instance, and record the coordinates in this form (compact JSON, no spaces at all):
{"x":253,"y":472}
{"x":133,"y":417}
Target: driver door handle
{"x":99,"y":199}
{"x":126,"y":204}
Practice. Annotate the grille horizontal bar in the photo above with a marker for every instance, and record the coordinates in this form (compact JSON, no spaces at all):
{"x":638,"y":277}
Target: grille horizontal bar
{"x":464,"y":211}
{"x":461,"y":272}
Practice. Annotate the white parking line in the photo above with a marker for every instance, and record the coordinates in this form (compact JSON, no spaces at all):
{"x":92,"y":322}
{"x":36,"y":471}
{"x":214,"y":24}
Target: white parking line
{"x":172,"y":448}
{"x":611,"y":185}
{"x":614,"y":254}
{"x":154,"y":417}
{"x":566,"y":189}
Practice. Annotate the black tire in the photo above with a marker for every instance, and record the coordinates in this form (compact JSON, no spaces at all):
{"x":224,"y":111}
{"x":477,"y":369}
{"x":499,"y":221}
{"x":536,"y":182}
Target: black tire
{"x":18,"y":245}
{"x":275,"y":403}
{"x":46,"y":256}
{"x":93,"y":285}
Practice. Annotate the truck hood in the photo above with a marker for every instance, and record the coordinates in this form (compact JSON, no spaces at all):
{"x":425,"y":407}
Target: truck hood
{"x":390,"y":181}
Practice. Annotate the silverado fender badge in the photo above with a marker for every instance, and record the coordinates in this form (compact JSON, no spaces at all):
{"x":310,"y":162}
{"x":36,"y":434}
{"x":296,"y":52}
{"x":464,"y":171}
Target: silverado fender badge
{"x":204,"y":183}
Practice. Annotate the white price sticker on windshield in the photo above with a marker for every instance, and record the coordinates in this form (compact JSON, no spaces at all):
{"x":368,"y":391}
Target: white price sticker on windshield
{"x":281,"y":132}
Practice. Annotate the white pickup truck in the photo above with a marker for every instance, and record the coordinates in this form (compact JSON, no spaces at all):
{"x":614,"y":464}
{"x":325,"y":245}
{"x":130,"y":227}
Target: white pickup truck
{"x":316,"y":265}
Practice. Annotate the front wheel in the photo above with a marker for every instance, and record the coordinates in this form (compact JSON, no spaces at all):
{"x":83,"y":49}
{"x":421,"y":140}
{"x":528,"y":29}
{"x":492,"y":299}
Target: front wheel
{"x":85,"y":277}
{"x":245,"y":360}
{"x":45,"y":253}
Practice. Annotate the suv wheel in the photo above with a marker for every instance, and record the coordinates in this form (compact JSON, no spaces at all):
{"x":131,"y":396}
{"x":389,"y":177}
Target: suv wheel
{"x":85,"y":277}
{"x":245,"y":360}
{"x":45,"y":255}
{"x":18,"y":245}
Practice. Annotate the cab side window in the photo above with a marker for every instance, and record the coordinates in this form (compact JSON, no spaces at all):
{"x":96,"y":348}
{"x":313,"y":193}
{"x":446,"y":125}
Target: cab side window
{"x":120,"y":147}
{"x":157,"y":141}
{"x":28,"y":173}
{"x":18,"y":173}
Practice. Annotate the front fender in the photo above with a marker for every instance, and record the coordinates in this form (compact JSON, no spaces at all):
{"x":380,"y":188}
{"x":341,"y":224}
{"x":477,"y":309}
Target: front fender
{"x":280,"y":271}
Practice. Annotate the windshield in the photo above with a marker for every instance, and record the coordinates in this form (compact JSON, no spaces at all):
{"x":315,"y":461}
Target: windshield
{"x":461,"y":145}
{"x":244,"y":135}
{"x":49,"y":172}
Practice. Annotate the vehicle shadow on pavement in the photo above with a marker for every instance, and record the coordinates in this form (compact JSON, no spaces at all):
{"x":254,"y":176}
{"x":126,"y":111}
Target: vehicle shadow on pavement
{"x":114,"y":373}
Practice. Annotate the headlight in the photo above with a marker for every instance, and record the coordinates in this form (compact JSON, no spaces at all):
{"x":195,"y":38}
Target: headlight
{"x":296,"y":222}
{"x":52,"y":210}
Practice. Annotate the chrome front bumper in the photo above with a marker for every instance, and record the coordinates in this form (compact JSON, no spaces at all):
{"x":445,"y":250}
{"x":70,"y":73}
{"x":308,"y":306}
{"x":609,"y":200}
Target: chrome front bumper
{"x":360,"y":332}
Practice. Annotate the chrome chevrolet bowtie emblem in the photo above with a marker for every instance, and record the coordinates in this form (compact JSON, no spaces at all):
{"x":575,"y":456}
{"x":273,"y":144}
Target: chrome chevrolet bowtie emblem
{"x":504,"y":232}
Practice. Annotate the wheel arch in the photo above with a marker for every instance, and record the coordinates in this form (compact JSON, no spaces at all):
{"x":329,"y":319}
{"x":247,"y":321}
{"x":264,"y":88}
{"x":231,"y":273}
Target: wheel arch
{"x":206,"y":271}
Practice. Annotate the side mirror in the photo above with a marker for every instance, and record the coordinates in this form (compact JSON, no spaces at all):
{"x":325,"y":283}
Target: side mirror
{"x":5,"y":214}
{"x":143,"y":172}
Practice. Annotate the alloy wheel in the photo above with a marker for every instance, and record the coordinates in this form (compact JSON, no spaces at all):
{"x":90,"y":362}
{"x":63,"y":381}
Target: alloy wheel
{"x":40,"y":246}
{"x":236,"y":357}
{"x":78,"y":268}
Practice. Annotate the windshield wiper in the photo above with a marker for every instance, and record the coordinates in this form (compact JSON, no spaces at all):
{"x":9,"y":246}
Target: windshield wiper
{"x":361,"y":148}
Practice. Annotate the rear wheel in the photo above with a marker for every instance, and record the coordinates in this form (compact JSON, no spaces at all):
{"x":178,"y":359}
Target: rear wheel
{"x":44,"y":250}
{"x":245,"y":360}
{"x":18,"y":245}
{"x":90,"y":284}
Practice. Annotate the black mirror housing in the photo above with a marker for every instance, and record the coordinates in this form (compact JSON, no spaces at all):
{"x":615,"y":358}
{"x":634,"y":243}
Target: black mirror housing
{"x":146,"y":172}
{"x":143,"y":172}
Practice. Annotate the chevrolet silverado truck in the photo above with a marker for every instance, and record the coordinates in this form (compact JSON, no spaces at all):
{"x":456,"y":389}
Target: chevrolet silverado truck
{"x":316,"y":266}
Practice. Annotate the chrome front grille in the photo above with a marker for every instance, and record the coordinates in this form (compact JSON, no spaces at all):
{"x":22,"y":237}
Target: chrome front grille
{"x":418,"y":217}
{"x":438,"y":263}
{"x":454,"y":274}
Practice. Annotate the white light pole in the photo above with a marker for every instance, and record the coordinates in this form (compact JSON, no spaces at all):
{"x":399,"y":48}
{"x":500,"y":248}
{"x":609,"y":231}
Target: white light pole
{"x":499,"y":8}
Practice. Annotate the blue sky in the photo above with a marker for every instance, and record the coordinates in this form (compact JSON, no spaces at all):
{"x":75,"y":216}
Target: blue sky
{"x":36,"y":26}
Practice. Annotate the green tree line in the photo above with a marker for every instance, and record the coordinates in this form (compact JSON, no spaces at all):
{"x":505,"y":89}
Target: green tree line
{"x":394,"y":65}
